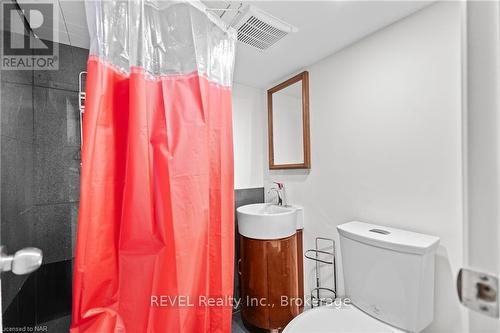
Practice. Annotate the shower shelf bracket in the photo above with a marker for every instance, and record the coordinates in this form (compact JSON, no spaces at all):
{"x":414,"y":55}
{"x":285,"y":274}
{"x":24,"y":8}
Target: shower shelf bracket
{"x":81,"y":101}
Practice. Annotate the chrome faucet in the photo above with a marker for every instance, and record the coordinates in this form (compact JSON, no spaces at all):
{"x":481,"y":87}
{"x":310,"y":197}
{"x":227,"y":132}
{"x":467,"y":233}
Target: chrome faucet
{"x":280,"y":192}
{"x":280,"y":201}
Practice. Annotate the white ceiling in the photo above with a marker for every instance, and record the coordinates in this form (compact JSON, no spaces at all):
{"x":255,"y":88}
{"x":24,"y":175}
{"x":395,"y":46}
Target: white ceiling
{"x":324,"y":27}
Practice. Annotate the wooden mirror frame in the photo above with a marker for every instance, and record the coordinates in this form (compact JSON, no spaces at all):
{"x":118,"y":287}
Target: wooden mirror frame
{"x":304,"y":77}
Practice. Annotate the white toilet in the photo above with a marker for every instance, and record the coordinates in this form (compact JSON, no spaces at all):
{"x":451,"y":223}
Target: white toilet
{"x":388,"y":277}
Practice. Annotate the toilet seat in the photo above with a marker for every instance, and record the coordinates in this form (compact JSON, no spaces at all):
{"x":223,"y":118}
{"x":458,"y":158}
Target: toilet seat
{"x":332,"y":318}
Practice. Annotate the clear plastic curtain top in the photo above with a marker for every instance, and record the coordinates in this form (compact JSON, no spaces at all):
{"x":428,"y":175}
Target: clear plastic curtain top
{"x":162,"y":37}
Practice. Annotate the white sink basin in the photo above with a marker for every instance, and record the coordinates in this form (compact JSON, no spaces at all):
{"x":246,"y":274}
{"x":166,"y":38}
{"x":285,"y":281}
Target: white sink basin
{"x":266,"y":221}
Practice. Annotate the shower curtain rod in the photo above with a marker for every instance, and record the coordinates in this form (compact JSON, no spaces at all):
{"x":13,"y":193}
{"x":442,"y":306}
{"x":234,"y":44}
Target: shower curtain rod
{"x":223,"y":9}
{"x":214,"y":18}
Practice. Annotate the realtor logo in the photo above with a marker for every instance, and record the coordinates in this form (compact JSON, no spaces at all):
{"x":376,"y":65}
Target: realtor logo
{"x":27,"y":37}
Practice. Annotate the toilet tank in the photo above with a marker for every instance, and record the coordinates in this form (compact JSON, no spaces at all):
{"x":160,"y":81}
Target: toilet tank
{"x":389,"y":273}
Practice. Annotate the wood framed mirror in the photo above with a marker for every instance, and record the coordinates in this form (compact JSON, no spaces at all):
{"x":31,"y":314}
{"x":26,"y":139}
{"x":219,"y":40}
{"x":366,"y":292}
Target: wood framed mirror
{"x":288,"y":124}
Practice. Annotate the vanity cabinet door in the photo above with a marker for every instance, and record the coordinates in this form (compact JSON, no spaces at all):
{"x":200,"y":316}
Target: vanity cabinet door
{"x":282,"y":281}
{"x":253,"y":281}
{"x":270,"y":282}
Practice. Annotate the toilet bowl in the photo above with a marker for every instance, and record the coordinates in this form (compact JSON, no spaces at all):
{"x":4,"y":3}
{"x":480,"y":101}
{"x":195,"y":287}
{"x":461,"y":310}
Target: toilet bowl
{"x":333,"y":319}
{"x":388,"y":278}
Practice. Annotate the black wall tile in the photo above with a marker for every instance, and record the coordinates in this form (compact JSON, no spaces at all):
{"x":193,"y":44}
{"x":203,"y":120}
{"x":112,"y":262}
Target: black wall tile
{"x":57,"y":325}
{"x":56,"y":117}
{"x":24,"y":77}
{"x":22,"y":310}
{"x":57,"y":146}
{"x":17,"y":200}
{"x":17,"y":111}
{"x":72,"y":60}
{"x":74,"y":222}
{"x":248,"y":196}
{"x":57,"y":177}
{"x":53,"y":291}
{"x":11,"y":285}
{"x":45,"y":296}
{"x":17,"y":178}
{"x":51,"y":230}
{"x":16,"y":76}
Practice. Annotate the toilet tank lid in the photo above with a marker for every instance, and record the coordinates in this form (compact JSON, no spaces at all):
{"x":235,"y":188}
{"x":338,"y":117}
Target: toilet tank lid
{"x":389,"y":238}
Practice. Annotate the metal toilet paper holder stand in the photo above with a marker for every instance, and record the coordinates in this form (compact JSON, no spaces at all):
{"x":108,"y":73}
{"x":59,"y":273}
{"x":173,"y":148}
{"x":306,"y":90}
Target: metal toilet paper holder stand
{"x":327,"y":258}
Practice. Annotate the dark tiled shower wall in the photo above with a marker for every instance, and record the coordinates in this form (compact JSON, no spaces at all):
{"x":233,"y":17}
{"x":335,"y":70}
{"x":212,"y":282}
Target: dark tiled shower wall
{"x":40,"y":171}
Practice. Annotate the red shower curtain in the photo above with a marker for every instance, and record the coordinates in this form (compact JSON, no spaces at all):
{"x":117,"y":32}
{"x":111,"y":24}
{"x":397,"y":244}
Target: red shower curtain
{"x":155,"y":229}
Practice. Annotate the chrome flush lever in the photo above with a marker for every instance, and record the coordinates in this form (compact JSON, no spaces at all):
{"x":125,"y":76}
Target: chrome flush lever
{"x":24,"y":261}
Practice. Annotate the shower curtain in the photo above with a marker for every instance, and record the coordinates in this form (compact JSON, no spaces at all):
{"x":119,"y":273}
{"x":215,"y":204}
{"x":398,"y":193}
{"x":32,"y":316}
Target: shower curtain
{"x":155,"y":228}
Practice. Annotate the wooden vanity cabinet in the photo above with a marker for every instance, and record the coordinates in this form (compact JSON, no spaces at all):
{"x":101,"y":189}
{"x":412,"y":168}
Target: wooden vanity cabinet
{"x":271,"y":280}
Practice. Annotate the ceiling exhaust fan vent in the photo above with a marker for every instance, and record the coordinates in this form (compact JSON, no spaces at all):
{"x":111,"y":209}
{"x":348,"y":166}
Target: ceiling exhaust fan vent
{"x":260,"y":29}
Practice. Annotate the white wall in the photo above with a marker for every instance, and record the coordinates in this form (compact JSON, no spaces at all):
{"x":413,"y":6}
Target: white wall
{"x":483,"y":150}
{"x":249,"y":136}
{"x":386,"y":122}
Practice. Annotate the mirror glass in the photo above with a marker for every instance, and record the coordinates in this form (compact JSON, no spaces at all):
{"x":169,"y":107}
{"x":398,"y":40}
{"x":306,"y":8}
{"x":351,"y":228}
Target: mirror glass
{"x":287,"y":125}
